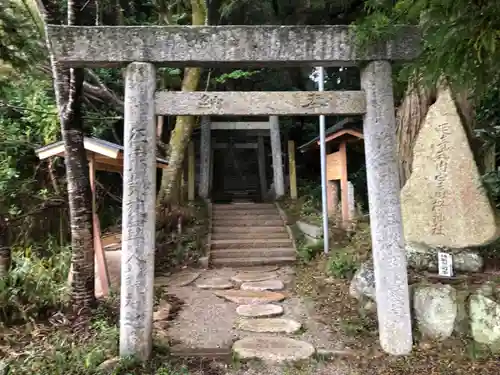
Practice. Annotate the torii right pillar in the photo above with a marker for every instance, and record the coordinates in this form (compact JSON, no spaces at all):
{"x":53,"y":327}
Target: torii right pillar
{"x":389,"y":258}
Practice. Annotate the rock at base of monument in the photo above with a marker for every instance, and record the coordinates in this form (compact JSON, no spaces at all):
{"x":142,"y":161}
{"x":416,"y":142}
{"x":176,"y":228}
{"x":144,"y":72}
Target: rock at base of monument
{"x":435,"y":308}
{"x":363,"y":283}
{"x":485,"y":320}
{"x":444,"y":202}
{"x":423,"y":257}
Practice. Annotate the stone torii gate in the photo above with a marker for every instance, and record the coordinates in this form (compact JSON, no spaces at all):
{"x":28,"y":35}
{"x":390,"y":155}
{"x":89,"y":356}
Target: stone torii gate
{"x":236,"y":46}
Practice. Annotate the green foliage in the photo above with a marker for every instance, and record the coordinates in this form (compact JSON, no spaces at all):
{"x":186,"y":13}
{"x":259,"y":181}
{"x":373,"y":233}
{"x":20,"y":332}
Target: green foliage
{"x":35,"y":286}
{"x":460,"y":38}
{"x":341,"y":264}
{"x":28,"y":118}
{"x":235,"y":75}
{"x":62,"y":353}
{"x":307,"y":252}
{"x":19,"y":36}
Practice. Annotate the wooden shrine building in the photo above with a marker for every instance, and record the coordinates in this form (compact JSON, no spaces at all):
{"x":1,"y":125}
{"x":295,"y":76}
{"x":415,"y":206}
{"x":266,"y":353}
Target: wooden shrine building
{"x":343,"y":135}
{"x":230,"y":160}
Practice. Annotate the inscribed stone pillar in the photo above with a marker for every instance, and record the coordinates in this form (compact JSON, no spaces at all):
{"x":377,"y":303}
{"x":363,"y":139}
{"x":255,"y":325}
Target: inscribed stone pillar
{"x":138,"y":220}
{"x":205,"y":157}
{"x":391,"y":279}
{"x":279,"y":181}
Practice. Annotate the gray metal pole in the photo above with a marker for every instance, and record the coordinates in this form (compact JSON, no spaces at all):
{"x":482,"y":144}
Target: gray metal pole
{"x":321,"y":87}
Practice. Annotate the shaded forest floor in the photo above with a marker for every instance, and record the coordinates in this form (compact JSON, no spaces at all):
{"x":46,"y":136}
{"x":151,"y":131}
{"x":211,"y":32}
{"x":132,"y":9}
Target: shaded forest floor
{"x":359,"y":332}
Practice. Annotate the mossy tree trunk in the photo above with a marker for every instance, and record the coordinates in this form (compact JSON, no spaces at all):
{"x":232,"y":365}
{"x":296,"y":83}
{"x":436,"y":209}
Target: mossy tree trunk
{"x":184,"y":125}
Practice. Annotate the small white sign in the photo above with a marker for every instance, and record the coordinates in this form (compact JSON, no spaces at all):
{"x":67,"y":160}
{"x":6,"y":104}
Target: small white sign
{"x":445,"y":264}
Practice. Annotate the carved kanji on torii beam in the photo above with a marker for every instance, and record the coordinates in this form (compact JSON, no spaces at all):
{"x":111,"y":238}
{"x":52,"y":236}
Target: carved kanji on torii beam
{"x":141,"y":47}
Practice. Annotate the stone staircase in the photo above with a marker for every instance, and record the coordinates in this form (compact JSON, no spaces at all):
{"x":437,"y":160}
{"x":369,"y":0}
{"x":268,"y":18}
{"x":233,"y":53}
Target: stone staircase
{"x":249,"y":234}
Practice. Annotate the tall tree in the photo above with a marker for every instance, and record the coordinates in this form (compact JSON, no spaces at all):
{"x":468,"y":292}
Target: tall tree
{"x":184,"y":125}
{"x":68,"y":87}
{"x":460,"y":45}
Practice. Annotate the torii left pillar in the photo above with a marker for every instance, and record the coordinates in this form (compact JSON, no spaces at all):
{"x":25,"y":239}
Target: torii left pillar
{"x":138,"y":220}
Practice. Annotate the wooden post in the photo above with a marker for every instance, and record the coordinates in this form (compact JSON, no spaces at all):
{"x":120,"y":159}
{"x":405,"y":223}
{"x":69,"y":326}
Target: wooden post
{"x":205,"y":157}
{"x":352,"y":201}
{"x":292,"y":169}
{"x":344,"y":189}
{"x":261,"y":157}
{"x":191,"y":171}
{"x":99,"y":254}
{"x":211,"y":171}
{"x":279,"y":183}
{"x":332,"y":196}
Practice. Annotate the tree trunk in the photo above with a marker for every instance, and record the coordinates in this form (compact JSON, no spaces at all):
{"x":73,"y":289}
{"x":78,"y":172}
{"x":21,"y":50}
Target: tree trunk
{"x":411,"y":115}
{"x":69,"y":101}
{"x":5,"y":255}
{"x":409,"y":119}
{"x":184,"y":125}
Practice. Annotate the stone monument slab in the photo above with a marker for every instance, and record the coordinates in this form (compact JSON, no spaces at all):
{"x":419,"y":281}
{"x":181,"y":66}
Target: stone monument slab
{"x":444,"y":202}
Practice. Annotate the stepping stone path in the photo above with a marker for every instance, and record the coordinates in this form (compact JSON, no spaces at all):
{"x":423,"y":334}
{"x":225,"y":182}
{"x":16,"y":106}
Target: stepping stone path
{"x":258,"y":269}
{"x":263,"y":285}
{"x":258,"y":316}
{"x":257,"y":289}
{"x":270,"y":325}
{"x":259,"y":311}
{"x":184,"y":279}
{"x":273,"y":349}
{"x":244,"y":277}
{"x":215,"y":283}
{"x":244,"y":297}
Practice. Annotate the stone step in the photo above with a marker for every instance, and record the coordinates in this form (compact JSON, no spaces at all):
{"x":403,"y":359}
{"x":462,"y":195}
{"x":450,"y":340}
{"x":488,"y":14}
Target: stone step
{"x":273,"y":284}
{"x":244,"y":222}
{"x":246,"y":262}
{"x":255,"y":229}
{"x":215,"y":283}
{"x":243,"y":206}
{"x":251,"y":214}
{"x":250,"y":243}
{"x":252,"y":252}
{"x":268,"y":310}
{"x":245,"y":297}
{"x":233,"y":236}
{"x":269,"y":325}
{"x":273,"y":349}
{"x":244,"y":276}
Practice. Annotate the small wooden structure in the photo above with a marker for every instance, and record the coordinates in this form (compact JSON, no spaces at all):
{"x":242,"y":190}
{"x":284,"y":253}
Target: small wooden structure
{"x":337,"y":138}
{"x":104,"y":156}
{"x":238,"y":158}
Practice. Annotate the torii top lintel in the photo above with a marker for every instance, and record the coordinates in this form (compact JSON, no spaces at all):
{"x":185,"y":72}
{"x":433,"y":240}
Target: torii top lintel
{"x":104,"y":46}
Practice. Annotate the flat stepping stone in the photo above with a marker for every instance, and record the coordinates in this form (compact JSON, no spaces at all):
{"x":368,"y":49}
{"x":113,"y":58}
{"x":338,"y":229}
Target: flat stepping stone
{"x":244,"y":277}
{"x":184,"y":279}
{"x":270,"y":325}
{"x":215,"y":283}
{"x":263,"y":285}
{"x":248,"y":297}
{"x":273,"y":349}
{"x":258,"y":269}
{"x":268,"y":310}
